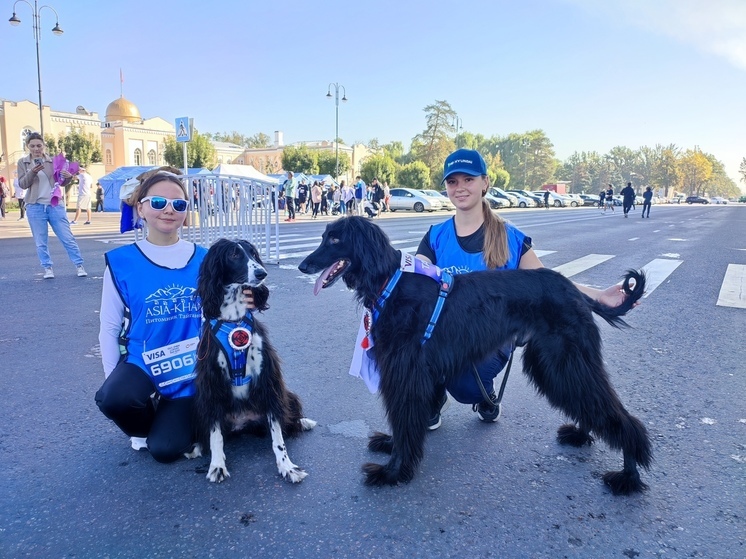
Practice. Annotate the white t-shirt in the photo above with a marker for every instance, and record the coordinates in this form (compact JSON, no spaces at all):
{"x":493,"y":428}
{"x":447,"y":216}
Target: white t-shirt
{"x":112,"y":307}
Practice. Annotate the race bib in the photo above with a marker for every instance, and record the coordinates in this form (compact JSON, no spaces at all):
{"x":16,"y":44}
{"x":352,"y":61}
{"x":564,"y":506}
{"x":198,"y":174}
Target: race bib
{"x":172,"y":364}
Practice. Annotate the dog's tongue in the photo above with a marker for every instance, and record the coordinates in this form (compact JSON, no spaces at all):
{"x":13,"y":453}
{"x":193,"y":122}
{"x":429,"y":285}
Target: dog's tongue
{"x":318,"y":286}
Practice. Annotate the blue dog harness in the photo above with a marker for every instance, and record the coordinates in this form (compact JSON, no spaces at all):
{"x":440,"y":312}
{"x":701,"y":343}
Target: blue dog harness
{"x":235,"y":339}
{"x":411,"y":264}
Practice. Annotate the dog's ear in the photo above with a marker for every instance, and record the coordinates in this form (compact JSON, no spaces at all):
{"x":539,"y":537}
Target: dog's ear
{"x":210,"y":287}
{"x":261,"y":296}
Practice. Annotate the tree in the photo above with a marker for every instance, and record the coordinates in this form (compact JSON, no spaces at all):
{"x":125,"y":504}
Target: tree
{"x":433,"y":145}
{"x":200,"y":152}
{"x":327,"y":162}
{"x":742,"y":170}
{"x":77,"y":146}
{"x":378,"y":166}
{"x":696,"y":170}
{"x":623,"y":162}
{"x":395,"y":150}
{"x":258,"y":140}
{"x":300,"y":159}
{"x":413,"y":175}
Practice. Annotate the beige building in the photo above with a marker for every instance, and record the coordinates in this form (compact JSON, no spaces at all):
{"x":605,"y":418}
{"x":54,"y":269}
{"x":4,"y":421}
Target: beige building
{"x":126,"y":138}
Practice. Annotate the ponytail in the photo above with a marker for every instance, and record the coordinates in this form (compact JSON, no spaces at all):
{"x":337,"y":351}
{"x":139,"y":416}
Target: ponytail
{"x":495,"y":238}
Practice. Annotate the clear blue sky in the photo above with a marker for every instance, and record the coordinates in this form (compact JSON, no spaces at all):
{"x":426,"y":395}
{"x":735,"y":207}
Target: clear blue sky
{"x":593,"y":74}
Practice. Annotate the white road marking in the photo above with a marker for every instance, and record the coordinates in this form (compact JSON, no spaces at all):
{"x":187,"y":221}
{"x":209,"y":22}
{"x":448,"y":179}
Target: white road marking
{"x":657,"y":271}
{"x":733,"y":288}
{"x":581,"y":264}
{"x":633,"y":239}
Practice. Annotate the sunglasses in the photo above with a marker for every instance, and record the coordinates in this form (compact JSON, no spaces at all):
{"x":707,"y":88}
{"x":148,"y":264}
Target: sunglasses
{"x":159,"y":203}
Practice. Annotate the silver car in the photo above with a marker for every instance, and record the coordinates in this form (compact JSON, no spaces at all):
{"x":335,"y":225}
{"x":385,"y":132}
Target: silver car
{"x":412,"y":199}
{"x":442,"y":198}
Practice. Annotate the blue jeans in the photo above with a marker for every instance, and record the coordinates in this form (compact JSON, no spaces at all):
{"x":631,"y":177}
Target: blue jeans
{"x":40,"y":216}
{"x":464,"y":388}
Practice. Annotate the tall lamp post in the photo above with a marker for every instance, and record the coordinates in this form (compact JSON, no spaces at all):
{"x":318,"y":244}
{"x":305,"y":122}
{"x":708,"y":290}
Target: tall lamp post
{"x":57,"y":30}
{"x":336,"y":87}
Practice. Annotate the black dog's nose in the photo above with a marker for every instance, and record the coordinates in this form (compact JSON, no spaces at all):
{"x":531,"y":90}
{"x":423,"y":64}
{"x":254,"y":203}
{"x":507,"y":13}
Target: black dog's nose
{"x":260,"y":273}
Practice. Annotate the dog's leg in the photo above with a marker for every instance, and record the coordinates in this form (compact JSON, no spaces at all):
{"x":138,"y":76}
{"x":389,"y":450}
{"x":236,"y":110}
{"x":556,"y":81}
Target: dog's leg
{"x":381,"y":442}
{"x":307,"y":424}
{"x":578,"y":385}
{"x":217,"y":472}
{"x":287,"y":469}
{"x":407,"y":397}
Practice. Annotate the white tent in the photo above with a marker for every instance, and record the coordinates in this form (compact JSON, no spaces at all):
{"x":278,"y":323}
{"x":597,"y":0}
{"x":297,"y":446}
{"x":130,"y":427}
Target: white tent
{"x":244,"y":171}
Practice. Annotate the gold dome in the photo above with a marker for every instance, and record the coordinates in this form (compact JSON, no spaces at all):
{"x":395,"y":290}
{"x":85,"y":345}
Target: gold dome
{"x":121,"y":109}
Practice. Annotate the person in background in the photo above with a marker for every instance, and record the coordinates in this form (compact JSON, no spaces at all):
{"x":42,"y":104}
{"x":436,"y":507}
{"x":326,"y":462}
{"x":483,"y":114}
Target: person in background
{"x":359,"y":195}
{"x":609,"y":198}
{"x":386,"y":196}
{"x":290,"y":187}
{"x":602,"y":200}
{"x":36,"y":177}
{"x":628,"y":198}
{"x":18,"y":193}
{"x":647,"y":198}
{"x":546,"y":199}
{"x":3,"y":195}
{"x":100,"y":198}
{"x":84,"y":196}
{"x":316,"y":195}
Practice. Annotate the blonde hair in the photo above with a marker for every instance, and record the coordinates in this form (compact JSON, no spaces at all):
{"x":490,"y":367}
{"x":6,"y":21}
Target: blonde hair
{"x":496,"y":253}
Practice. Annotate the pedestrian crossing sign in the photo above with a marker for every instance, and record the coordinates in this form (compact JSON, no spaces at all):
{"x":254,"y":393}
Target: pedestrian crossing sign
{"x":184,"y":129}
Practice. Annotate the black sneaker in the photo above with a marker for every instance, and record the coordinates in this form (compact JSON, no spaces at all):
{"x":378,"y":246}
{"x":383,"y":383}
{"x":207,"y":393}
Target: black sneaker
{"x":434,"y":422}
{"x":488,"y":412}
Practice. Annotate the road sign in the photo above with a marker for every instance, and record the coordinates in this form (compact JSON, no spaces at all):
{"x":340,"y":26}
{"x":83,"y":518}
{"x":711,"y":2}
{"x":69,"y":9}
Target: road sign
{"x":183,"y":129}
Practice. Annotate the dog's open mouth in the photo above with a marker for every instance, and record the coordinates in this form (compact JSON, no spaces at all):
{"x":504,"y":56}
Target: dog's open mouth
{"x":330,"y":275}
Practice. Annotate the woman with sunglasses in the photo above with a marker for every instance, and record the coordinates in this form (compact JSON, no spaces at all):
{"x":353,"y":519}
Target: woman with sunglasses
{"x":150,"y":324}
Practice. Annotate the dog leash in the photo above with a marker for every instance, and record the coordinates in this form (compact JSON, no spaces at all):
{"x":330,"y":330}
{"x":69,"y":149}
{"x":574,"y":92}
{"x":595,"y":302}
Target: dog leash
{"x":502,"y":385}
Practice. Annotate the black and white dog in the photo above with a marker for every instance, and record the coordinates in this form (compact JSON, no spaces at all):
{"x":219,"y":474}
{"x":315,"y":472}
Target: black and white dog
{"x":483,"y":311}
{"x":239,"y":377}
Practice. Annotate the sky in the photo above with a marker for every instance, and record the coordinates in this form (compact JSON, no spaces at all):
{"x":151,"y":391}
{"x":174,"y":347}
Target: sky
{"x":591,"y":74}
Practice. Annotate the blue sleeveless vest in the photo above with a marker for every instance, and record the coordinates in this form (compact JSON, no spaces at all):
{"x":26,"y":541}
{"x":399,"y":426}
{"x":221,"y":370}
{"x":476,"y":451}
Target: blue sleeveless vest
{"x":451,"y":257}
{"x":162,"y":318}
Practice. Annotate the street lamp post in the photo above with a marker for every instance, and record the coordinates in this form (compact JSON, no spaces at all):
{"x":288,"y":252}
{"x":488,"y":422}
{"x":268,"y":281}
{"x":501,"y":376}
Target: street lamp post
{"x":337,"y":87}
{"x":57,"y":30}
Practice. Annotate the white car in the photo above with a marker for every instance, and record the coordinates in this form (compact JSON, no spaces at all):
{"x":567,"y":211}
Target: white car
{"x":575,"y":200}
{"x":443,"y":199}
{"x":718,"y":200}
{"x":523,"y":200}
{"x":556,"y":200}
{"x":412,"y":199}
{"x":512,"y":199}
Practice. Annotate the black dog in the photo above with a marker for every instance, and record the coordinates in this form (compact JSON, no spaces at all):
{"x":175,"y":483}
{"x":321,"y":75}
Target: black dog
{"x":483,"y":312}
{"x":240,"y":384}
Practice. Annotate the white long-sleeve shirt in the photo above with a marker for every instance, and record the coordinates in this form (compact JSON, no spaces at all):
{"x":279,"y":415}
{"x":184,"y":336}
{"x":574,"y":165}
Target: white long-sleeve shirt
{"x":112,"y":307}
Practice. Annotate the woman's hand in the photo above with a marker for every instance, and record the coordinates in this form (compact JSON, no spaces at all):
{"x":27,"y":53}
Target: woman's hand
{"x":65,"y":173}
{"x":613,"y":296}
{"x":248,"y":299}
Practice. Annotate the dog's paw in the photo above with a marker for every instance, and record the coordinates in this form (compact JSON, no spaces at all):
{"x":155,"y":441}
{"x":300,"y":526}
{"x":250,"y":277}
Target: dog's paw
{"x":307,"y":424}
{"x":294,"y":474}
{"x":195,"y":453}
{"x":571,"y":435}
{"x":377,"y":475}
{"x":217,"y":473}
{"x":381,"y":442}
{"x":624,"y":482}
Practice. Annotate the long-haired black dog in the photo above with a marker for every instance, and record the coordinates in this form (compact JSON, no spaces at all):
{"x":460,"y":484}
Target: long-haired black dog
{"x":483,"y":312}
{"x":240,"y":392}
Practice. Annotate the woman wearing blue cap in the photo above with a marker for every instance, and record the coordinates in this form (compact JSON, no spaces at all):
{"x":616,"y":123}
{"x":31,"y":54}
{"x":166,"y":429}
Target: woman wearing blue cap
{"x":474,"y":239}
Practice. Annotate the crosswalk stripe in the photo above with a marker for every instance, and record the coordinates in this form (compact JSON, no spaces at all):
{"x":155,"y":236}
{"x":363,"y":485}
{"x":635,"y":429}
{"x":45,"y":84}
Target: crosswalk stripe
{"x":733,"y":288}
{"x":656,"y":271}
{"x":581,"y":264}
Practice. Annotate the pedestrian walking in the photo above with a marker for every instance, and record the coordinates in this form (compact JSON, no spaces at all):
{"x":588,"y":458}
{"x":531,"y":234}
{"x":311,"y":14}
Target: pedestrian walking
{"x":609,"y":198}
{"x":100,"y":198}
{"x":647,"y":198}
{"x":18,"y":194}
{"x":84,"y":196}
{"x":546,"y":199}
{"x":628,"y":198}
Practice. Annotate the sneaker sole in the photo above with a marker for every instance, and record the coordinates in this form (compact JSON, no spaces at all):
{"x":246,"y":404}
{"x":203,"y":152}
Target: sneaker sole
{"x":493,"y":420}
{"x":443,"y":408}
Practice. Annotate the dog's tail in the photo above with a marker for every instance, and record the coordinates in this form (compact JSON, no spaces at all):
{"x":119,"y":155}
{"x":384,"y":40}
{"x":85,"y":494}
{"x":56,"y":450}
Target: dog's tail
{"x":634,"y":288}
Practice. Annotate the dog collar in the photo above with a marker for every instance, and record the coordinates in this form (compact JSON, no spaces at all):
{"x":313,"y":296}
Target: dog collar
{"x":235,"y":339}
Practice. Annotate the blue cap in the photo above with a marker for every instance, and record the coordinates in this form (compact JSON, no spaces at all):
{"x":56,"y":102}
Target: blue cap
{"x":467,"y":161}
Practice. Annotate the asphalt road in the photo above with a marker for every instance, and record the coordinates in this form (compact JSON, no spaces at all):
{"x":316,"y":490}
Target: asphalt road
{"x":72,"y":486}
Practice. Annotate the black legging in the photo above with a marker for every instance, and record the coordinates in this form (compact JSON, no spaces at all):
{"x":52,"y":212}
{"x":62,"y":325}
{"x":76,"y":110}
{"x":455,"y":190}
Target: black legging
{"x":291,"y":208}
{"x":125,"y":399}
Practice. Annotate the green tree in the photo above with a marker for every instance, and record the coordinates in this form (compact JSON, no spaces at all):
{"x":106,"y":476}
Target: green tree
{"x":433,"y":144}
{"x":696,"y":170}
{"x":666,"y":175}
{"x":379,"y":166}
{"x":200,"y":152}
{"x":623,"y":162}
{"x":258,"y":140}
{"x":742,"y":170}
{"x":327,"y":162}
{"x":413,"y":175}
{"x":77,"y":146}
{"x":300,"y":159}
{"x":395,"y":150}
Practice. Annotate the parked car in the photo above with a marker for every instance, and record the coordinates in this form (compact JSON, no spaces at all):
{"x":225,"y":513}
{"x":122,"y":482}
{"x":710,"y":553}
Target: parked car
{"x":556,"y":200}
{"x":589,"y":199}
{"x":742,"y":199}
{"x":696,"y":200}
{"x":718,"y":200}
{"x":496,"y":203}
{"x":443,"y":199}
{"x":538,"y":199}
{"x":523,"y":200}
{"x":412,"y":199}
{"x":575,"y":200}
{"x":500,"y":193}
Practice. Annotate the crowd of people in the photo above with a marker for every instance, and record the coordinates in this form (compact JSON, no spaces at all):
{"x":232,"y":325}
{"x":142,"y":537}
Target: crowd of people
{"x":296,"y":197}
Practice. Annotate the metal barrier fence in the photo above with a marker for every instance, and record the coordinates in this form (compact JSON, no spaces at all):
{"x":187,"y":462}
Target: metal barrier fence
{"x":224,"y":206}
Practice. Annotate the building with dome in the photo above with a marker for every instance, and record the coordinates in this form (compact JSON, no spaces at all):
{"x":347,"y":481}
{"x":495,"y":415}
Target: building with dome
{"x":126,"y":138}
